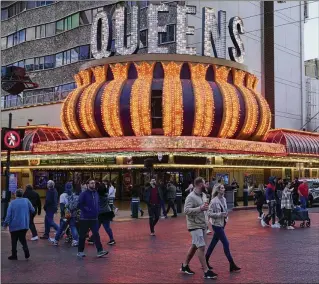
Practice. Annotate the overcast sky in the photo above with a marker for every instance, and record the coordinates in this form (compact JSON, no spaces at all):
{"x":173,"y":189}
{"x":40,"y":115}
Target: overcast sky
{"x":312,"y":32}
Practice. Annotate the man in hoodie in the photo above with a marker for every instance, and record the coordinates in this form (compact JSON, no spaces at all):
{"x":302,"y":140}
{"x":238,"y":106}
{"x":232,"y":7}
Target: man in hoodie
{"x":89,"y":205}
{"x":35,"y":200}
{"x":50,"y":208}
{"x":271,"y":201}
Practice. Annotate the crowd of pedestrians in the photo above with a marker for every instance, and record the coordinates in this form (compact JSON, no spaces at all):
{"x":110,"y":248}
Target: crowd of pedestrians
{"x":84,"y":210}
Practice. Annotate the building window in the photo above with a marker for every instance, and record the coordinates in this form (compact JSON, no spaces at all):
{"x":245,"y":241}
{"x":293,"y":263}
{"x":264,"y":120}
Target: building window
{"x":40,"y":31}
{"x":74,"y":55}
{"x":21,"y":63}
{"x":59,"y":26}
{"x":21,"y":36}
{"x":15,"y":38}
{"x":4,"y":14}
{"x":59,"y":59}
{"x":30,"y":34}
{"x":10,"y":41}
{"x":50,"y":29}
{"x":31,"y":4}
{"x":67,"y":57}
{"x":75,"y":20}
{"x":49,"y":61}
{"x":169,"y":36}
{"x":86,"y":17}
{"x":143,"y":4}
{"x":11,"y":11}
{"x":84,"y":52}
{"x":143,"y":39}
{"x":3,"y":43}
{"x":38,"y":63}
{"x":29,"y":64}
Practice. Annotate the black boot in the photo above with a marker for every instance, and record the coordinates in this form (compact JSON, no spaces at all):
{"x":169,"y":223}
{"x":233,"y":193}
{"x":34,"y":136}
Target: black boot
{"x":13,"y":256}
{"x":26,"y":253}
{"x":233,"y":267}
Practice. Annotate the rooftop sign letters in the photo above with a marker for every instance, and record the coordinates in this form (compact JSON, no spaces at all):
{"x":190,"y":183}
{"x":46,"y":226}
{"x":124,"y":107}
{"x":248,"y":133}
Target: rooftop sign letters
{"x":213,"y":39}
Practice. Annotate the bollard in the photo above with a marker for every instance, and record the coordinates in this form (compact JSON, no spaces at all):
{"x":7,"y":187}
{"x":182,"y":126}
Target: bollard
{"x":135,"y":202}
{"x":179,"y":201}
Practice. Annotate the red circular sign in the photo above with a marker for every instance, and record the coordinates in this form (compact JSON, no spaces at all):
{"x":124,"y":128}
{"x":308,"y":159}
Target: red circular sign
{"x":12,"y":139}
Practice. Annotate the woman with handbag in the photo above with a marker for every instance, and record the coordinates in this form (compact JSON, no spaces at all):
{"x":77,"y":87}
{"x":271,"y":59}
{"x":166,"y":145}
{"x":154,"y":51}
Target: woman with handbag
{"x":217,"y":211}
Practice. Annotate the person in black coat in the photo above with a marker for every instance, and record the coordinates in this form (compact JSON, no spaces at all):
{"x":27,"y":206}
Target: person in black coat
{"x":35,"y":200}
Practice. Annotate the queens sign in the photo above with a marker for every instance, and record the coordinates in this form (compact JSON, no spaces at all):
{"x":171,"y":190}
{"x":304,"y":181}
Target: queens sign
{"x":213,"y":32}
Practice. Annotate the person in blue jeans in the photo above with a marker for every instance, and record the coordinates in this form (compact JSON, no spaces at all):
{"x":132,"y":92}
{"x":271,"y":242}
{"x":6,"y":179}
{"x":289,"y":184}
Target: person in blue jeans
{"x":68,"y":205}
{"x":217,"y":211}
{"x":106,"y":214}
{"x":50,"y":208}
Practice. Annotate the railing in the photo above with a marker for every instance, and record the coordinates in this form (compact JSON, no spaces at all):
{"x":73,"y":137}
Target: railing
{"x":32,"y":100}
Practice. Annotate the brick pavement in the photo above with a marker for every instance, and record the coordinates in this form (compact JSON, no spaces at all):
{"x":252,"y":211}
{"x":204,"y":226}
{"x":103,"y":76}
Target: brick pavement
{"x":265,"y":255}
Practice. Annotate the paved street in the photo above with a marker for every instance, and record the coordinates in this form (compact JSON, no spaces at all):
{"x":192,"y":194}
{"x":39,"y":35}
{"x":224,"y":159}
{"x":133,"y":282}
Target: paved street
{"x":265,"y":255}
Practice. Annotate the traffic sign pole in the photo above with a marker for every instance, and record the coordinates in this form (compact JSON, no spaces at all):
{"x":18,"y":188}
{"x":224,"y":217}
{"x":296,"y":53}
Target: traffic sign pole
{"x":8,"y":193}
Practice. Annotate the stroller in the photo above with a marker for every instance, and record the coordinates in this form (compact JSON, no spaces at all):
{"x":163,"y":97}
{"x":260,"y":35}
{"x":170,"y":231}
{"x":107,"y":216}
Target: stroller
{"x":299,"y":214}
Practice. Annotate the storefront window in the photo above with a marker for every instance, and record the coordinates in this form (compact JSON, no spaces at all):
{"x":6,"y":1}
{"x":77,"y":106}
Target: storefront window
{"x":30,"y":34}
{"x":50,"y":29}
{"x":84,"y":52}
{"x":49,"y":61}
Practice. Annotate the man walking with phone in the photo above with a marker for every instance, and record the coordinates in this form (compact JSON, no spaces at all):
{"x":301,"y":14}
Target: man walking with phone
{"x":196,"y":204}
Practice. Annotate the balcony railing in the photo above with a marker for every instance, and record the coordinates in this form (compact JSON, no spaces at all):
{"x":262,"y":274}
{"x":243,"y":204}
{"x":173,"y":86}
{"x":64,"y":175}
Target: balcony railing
{"x":33,"y":100}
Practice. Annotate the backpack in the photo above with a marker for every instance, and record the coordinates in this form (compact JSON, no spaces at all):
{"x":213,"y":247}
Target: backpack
{"x":72,"y":206}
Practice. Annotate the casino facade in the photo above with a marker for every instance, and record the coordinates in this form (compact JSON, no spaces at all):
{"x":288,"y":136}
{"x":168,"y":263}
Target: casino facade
{"x":191,"y":115}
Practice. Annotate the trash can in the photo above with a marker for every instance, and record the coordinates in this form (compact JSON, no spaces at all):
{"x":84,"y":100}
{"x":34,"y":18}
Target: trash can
{"x":229,"y":195}
{"x":135,"y":203}
{"x":179,"y":201}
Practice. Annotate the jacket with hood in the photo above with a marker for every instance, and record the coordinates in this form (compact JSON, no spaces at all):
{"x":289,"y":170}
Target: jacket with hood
{"x":171,"y":192}
{"x":51,"y":200}
{"x":89,"y":205}
{"x":68,"y":188}
{"x":34,"y":198}
{"x":270,"y":190}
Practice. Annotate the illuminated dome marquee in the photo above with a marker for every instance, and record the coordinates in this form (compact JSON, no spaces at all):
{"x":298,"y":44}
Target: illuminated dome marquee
{"x":163,"y":94}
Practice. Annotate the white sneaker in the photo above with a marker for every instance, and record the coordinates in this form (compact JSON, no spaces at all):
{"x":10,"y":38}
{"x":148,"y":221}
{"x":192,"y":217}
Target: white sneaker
{"x":34,"y":238}
{"x":74,"y":244}
{"x":278,"y":225}
{"x":259,"y":218}
{"x":163,"y":217}
{"x":275,"y":226}
{"x":290,"y":228}
{"x":81,"y":254}
{"x":51,"y":240}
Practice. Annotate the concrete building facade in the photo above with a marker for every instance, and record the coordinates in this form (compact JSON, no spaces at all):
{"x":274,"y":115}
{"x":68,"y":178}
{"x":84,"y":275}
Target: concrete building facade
{"x":51,"y":39}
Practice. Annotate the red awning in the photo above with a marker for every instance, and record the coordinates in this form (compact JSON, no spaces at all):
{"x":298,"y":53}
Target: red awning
{"x":296,"y":142}
{"x":41,"y":134}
